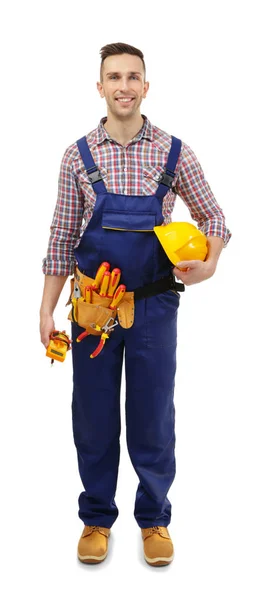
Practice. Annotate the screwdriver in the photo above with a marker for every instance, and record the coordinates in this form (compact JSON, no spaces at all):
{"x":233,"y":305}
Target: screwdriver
{"x":88,"y":293}
{"x":114,"y":280}
{"x":120,"y":291}
{"x":104,"y":284}
{"x":105,"y":266}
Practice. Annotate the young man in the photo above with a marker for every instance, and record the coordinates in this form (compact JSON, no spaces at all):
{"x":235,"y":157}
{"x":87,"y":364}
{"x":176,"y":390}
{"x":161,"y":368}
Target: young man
{"x":109,"y":200}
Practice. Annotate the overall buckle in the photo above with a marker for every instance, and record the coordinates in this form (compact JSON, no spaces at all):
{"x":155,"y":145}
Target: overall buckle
{"x":167,"y":178}
{"x":94,"y":176}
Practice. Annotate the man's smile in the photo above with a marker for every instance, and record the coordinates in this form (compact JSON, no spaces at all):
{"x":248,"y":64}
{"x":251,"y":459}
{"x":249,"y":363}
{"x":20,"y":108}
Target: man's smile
{"x":124,"y":100}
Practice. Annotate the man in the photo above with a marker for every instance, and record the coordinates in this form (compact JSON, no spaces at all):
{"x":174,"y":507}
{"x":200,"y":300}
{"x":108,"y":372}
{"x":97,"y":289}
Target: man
{"x":112,"y":192}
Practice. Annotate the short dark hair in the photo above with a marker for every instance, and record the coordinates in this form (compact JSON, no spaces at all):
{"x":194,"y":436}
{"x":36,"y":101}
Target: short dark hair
{"x":119,"y":48}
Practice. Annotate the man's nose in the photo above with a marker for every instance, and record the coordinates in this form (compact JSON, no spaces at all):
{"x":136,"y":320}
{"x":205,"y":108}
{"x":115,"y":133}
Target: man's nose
{"x":124,"y":83}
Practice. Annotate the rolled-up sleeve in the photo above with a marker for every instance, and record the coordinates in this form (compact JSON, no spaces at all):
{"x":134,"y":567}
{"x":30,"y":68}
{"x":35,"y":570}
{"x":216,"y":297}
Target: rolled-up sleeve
{"x":66,"y":222}
{"x":196,"y":193}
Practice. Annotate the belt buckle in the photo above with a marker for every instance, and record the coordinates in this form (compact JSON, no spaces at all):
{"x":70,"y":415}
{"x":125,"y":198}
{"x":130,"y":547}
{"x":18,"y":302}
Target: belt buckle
{"x":172,"y":281}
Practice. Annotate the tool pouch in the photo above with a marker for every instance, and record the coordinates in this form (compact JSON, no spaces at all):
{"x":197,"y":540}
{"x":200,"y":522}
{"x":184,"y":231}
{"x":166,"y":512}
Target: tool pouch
{"x":88,"y":315}
{"x":91,"y":315}
{"x":125,"y":310}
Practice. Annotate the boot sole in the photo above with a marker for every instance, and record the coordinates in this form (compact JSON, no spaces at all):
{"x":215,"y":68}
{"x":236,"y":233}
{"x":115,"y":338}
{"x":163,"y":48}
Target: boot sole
{"x":159,"y":561}
{"x":91,"y":559}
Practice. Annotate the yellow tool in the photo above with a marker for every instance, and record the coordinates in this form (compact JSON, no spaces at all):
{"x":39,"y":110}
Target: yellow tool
{"x":114,"y":281}
{"x":105,"y":266}
{"x":58,"y":346}
{"x":88,"y":293}
{"x":120,"y":291}
{"x":104,"y":336}
{"x":104,"y":284}
{"x":76,"y":296}
{"x":101,"y":344}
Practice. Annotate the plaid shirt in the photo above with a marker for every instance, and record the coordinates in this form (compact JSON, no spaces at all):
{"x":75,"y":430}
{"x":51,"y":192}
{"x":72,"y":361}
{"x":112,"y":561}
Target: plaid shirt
{"x":133,"y":169}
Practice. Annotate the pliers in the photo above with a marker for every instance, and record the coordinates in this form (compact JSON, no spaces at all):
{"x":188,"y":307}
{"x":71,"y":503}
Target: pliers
{"x":105,"y":329}
{"x":75,"y":297}
{"x":104,"y":336}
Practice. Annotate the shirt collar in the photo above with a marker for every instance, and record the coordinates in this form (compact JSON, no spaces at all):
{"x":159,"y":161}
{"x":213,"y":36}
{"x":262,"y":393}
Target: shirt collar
{"x":146,"y":132}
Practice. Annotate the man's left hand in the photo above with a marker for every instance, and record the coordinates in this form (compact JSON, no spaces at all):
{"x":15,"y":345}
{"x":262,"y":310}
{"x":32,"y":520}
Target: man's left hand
{"x":195,"y":271}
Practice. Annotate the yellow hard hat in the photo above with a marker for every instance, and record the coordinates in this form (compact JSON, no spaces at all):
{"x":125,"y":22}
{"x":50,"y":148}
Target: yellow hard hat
{"x":182,"y":241}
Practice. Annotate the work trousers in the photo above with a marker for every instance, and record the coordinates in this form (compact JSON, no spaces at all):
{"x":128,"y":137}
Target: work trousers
{"x":149,"y":351}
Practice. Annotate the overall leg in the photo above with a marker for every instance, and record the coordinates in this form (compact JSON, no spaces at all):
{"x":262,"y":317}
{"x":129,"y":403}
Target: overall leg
{"x":96,"y":424}
{"x":150,"y":362}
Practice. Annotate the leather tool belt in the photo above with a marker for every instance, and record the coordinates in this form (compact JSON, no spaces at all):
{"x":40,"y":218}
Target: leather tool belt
{"x":88,"y":315}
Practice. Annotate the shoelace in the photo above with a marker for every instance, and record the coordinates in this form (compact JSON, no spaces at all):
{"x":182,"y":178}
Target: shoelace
{"x":154,"y":529}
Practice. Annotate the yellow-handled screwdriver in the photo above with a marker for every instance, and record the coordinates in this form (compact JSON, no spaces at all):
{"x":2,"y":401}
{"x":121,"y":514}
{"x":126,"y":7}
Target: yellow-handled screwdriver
{"x":104,"y":284}
{"x":120,"y":291}
{"x":105,"y":266}
{"x":114,"y":281}
{"x":88,"y":293}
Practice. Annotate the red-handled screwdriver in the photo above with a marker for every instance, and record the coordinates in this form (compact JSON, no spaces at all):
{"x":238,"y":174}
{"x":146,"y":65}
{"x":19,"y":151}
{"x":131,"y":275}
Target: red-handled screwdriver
{"x":114,"y":281}
{"x":120,"y":291}
{"x":88,"y":293}
{"x":105,"y":266}
{"x":104,"y":284}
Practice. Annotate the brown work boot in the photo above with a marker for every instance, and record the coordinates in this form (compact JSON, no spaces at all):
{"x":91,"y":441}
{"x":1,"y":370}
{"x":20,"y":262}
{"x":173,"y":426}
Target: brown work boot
{"x":93,"y":544}
{"x":158,"y":546}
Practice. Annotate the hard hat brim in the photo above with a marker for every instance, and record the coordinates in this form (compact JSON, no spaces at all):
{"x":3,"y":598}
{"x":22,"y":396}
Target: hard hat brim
{"x":186,"y":249}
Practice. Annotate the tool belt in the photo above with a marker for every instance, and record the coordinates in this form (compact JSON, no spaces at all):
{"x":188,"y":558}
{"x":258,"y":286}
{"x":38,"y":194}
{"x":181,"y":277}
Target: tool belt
{"x":88,"y":315}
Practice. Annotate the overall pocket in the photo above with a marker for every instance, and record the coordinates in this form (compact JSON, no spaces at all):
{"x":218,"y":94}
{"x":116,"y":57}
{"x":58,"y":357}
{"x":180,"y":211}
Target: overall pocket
{"x":125,"y":221}
{"x":128,"y":240}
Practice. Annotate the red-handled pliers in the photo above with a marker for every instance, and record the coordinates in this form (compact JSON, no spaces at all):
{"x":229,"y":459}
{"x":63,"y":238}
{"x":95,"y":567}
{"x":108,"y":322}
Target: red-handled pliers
{"x":104,"y":336}
{"x":99,"y":347}
{"x":82,"y":336}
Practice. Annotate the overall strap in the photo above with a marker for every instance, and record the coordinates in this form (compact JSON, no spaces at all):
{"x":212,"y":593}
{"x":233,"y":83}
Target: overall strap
{"x":169,"y":173}
{"x":93,"y":172}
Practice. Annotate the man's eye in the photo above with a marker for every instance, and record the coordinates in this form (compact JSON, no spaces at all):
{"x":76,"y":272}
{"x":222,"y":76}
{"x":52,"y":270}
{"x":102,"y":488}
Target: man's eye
{"x":131,"y":77}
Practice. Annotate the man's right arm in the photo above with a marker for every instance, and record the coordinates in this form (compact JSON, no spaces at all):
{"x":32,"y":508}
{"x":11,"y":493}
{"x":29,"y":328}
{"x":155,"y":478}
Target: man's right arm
{"x":53,"y":286}
{"x":65,"y":230}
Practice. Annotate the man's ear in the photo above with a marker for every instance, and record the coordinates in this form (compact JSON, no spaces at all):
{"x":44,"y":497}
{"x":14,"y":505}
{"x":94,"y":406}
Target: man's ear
{"x":146,"y":88}
{"x":100,"y":89}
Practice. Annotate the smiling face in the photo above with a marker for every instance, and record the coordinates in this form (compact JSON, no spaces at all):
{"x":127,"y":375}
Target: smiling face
{"x":123,"y":85}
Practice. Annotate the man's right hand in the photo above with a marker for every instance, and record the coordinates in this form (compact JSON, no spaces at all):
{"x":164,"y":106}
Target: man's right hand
{"x":47,"y":325}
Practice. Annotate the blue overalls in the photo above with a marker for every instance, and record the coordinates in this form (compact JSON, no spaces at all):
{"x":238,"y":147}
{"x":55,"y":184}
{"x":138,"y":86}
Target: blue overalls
{"x":121,"y":232}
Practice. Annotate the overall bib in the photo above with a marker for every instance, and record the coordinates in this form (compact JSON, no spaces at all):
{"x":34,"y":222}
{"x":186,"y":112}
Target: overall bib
{"x":121,"y":232}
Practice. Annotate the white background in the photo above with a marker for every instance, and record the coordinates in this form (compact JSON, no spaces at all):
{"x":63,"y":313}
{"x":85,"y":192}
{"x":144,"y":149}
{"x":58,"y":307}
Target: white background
{"x":204,"y":64}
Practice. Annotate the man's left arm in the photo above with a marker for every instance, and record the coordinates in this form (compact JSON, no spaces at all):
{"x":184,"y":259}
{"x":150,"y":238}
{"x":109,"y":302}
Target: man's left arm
{"x":196,"y":193}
